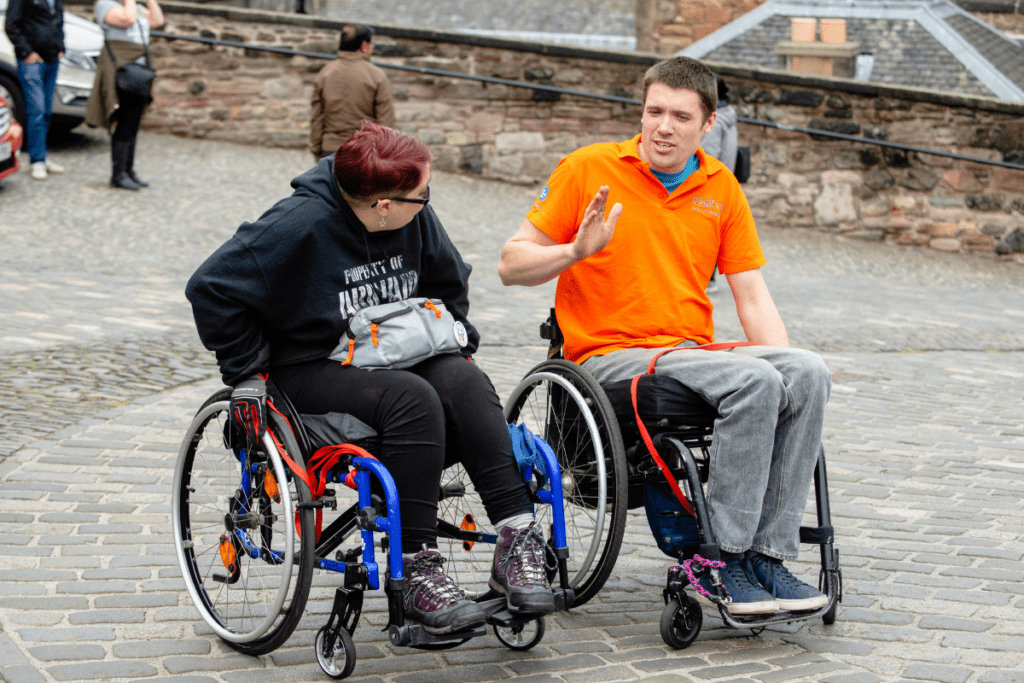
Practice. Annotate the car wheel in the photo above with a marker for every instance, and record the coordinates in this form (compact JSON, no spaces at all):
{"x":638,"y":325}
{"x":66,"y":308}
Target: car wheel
{"x":10,"y":90}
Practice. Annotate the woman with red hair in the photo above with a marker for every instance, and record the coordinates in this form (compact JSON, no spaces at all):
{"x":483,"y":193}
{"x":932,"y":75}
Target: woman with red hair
{"x":277,"y":298}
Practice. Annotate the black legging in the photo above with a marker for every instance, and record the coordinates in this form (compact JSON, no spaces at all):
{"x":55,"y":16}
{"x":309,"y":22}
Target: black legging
{"x":439,"y":412}
{"x":128,"y":116}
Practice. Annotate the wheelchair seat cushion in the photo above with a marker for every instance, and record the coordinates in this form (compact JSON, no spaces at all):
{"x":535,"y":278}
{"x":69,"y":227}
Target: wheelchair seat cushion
{"x":660,"y":397}
{"x":332,"y":429}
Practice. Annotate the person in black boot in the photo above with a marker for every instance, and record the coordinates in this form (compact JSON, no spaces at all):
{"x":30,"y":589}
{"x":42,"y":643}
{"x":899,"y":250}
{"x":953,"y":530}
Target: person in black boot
{"x":129,"y":167}
{"x":119,"y":162}
{"x":126,"y":26}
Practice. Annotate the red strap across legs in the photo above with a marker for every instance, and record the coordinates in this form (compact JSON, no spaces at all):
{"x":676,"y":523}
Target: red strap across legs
{"x":662,"y":467}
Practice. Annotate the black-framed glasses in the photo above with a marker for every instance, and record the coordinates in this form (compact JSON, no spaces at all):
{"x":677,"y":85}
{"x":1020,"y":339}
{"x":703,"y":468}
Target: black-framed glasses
{"x":409,"y":200}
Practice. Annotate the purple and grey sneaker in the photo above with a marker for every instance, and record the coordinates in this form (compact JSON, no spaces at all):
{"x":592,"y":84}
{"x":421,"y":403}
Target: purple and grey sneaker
{"x":433,"y":600}
{"x":518,"y":570}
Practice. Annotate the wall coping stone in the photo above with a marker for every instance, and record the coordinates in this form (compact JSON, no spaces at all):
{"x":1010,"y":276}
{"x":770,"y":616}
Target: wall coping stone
{"x":407,"y":32}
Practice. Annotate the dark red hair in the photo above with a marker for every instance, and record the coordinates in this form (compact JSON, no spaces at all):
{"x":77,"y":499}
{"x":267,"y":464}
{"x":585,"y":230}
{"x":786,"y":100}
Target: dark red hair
{"x":378,"y":161}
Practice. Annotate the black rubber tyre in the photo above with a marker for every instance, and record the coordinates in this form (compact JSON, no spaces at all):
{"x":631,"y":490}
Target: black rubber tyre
{"x":681,"y":622}
{"x":343,"y":648}
{"x":522,"y":637}
{"x":253,"y":603}
{"x":10,"y":90}
{"x":829,"y":617}
{"x":562,"y":403}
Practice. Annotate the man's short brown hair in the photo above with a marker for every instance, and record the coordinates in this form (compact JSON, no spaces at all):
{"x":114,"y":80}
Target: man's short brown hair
{"x":685,"y":73}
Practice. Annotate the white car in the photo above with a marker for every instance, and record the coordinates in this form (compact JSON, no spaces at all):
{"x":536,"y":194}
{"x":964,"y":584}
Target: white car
{"x":83,"y":41}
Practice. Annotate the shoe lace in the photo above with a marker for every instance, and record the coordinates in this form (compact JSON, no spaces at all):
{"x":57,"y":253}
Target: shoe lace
{"x":427,"y":570}
{"x":528,"y":545}
{"x":780,"y":575}
{"x":740,"y":573}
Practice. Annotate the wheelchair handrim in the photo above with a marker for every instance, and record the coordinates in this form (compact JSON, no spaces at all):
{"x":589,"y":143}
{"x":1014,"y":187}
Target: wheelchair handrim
{"x":602,"y":485}
{"x":189,"y":569}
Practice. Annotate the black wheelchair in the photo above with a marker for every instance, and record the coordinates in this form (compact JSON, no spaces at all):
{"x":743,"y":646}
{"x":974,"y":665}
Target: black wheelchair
{"x":247,"y":518}
{"x":607,"y":470}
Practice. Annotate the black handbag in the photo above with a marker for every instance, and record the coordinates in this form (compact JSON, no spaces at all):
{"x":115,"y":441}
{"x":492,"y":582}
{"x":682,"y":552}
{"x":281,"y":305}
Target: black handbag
{"x":134,"y":79}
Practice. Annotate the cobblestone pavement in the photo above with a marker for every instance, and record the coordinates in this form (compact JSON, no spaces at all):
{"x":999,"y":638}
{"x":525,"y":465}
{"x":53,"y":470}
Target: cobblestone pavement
{"x":925,"y":437}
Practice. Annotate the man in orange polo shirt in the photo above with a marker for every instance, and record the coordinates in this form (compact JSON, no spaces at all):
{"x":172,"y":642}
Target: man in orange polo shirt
{"x":631,"y":283}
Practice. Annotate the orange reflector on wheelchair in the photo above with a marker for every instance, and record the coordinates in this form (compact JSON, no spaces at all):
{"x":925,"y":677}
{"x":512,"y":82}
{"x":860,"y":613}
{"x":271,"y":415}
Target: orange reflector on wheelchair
{"x":468,"y":524}
{"x":270,"y":486}
{"x":227,"y":553}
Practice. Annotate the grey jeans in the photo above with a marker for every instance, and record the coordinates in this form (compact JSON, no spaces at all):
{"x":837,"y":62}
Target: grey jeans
{"x":771,"y":403}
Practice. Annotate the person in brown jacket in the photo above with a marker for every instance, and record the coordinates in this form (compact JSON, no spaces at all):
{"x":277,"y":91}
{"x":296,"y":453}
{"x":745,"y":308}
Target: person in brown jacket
{"x":347,"y":92}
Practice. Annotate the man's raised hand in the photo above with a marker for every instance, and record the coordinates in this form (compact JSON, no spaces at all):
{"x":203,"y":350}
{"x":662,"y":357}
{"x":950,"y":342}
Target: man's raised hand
{"x":595,"y":232}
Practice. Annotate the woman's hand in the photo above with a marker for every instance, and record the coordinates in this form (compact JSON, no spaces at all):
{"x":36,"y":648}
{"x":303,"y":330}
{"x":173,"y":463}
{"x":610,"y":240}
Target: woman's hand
{"x":122,"y":17}
{"x":154,"y":14}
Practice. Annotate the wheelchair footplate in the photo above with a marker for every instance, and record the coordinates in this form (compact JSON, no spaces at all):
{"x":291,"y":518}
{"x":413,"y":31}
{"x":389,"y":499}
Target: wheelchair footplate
{"x":682,"y":616}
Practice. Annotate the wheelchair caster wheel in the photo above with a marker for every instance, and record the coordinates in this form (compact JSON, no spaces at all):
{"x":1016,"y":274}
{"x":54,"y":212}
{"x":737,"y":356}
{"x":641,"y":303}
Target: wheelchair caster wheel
{"x":337,"y":659}
{"x":523,"y":636}
{"x":829,"y":617}
{"x":680,"y":622}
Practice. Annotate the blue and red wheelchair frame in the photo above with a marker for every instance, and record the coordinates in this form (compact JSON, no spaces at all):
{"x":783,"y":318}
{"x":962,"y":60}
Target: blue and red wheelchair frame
{"x":372,"y":515}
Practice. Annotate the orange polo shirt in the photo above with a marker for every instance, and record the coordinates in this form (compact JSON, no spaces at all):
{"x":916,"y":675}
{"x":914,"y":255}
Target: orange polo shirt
{"x":646,"y":288}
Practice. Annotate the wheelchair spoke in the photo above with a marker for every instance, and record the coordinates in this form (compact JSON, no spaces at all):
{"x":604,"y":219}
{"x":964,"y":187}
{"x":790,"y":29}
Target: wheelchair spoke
{"x":563,"y":404}
{"x":470,"y":569}
{"x":242,"y":588}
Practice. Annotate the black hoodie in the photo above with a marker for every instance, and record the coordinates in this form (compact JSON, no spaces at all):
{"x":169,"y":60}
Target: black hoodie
{"x":282,"y":289}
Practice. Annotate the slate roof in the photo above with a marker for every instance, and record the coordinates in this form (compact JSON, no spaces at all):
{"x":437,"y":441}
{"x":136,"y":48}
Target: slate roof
{"x":917,"y":43}
{"x":592,"y":23}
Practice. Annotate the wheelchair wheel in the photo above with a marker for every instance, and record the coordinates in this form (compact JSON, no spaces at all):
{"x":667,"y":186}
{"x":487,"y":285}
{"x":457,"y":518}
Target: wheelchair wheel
{"x":521,"y":637}
{"x":562,"y":403}
{"x":340,"y":660}
{"x":469,"y":563}
{"x":245,"y":553}
{"x":681,"y":622}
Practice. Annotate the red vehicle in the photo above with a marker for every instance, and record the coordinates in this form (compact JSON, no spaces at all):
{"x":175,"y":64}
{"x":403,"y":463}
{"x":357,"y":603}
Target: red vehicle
{"x":10,"y":140}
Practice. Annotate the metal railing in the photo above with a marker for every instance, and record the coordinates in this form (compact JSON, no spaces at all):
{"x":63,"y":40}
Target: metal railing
{"x":542,"y":87}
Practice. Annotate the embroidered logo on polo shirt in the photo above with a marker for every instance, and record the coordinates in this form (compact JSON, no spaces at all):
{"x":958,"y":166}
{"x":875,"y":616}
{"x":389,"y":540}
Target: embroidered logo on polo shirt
{"x":542,"y":197}
{"x":709,"y":206}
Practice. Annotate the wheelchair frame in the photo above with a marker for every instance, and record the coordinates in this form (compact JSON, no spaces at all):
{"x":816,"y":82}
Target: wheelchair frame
{"x":248,"y":528}
{"x":676,"y":443}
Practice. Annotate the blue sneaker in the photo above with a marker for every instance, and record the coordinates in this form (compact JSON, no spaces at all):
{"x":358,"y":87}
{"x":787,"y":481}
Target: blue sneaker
{"x":747,"y":595}
{"x":791,"y":593}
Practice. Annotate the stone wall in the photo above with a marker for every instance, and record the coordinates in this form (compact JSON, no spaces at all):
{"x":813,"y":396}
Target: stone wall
{"x":882,"y":193}
{"x":519,"y":134}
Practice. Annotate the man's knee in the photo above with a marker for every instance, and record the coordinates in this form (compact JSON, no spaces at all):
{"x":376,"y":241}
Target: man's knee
{"x":810,"y":374}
